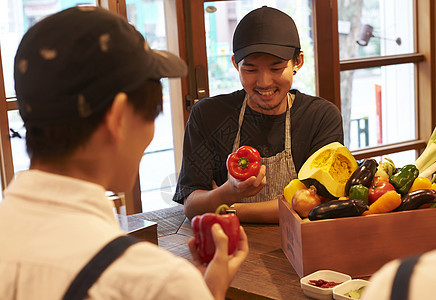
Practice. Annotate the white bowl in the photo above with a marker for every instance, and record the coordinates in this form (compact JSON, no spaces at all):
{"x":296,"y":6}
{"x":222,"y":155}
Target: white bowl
{"x":352,"y":285}
{"x":318,"y":292}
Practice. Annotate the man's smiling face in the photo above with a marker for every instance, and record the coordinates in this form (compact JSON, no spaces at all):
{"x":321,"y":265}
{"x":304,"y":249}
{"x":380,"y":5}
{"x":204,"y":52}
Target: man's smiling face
{"x":267,"y":80}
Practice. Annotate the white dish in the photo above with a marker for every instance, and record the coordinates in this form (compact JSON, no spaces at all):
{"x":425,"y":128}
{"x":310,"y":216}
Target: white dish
{"x":315,"y":292}
{"x":352,"y":285}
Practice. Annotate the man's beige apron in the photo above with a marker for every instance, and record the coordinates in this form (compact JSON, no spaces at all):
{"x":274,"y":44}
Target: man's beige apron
{"x":280,"y":168}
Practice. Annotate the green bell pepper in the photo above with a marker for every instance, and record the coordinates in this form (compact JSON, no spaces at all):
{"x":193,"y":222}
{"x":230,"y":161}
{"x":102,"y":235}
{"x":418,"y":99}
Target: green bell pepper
{"x":403,"y":180}
{"x":359,"y":191}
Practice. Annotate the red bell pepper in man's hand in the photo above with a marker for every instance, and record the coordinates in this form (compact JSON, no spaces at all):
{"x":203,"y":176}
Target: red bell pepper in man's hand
{"x":244,"y":163}
{"x":201,"y":226}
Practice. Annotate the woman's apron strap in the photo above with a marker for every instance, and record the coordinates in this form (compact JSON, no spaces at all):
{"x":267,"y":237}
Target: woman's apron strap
{"x":400,"y":287}
{"x":96,"y":266}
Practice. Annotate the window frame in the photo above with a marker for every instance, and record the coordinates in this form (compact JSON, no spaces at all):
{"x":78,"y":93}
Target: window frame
{"x":329,"y":65}
{"x":6,"y":163}
{"x":423,"y":59}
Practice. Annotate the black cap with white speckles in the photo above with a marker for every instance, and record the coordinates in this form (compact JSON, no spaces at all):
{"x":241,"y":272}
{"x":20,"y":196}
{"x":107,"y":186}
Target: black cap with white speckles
{"x":73,"y":63}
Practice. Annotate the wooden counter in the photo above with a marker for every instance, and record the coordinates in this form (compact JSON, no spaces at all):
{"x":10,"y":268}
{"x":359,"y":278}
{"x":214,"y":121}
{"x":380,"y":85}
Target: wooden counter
{"x":266,"y":273}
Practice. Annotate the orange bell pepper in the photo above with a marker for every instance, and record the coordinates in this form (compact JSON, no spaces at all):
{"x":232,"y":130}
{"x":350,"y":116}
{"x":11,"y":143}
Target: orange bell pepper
{"x":385,"y":203}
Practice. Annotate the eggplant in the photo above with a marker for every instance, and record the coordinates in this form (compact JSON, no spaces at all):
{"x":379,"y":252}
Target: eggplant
{"x":415,"y":199}
{"x":338,"y":209}
{"x":362,"y":175}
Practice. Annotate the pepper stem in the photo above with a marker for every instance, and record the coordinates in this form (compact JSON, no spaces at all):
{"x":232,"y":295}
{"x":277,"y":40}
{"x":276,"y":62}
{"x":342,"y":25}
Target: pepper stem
{"x":243,"y":162}
{"x":221,"y":210}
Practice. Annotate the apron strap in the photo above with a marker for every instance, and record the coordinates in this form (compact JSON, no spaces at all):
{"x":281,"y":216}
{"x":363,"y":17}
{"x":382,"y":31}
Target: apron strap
{"x":400,"y":287}
{"x":96,"y":266}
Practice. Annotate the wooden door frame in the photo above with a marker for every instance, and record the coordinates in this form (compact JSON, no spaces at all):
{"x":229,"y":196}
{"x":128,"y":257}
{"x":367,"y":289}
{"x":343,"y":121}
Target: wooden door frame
{"x":6,"y":162}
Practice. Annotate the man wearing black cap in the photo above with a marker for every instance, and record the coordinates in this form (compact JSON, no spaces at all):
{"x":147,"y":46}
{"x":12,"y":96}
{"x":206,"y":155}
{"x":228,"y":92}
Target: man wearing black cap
{"x":284,"y":125}
{"x":88,"y":92}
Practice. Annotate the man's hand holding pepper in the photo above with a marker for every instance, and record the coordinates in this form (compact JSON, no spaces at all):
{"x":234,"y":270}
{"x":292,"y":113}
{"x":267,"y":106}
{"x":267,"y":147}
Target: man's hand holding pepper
{"x":249,"y":187}
{"x":222,"y":269}
{"x":246,"y":177}
{"x":246,"y":174}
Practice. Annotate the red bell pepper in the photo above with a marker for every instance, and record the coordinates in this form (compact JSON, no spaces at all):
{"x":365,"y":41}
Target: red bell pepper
{"x":244,"y":163}
{"x":201,"y":226}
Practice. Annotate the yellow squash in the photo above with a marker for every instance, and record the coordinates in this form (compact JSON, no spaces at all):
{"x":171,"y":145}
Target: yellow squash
{"x":329,"y":169}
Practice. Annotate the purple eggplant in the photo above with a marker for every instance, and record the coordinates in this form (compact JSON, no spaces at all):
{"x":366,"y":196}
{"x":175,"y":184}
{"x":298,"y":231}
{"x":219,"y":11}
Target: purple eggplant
{"x":338,"y":209}
{"x":415,"y":199}
{"x":362,"y":175}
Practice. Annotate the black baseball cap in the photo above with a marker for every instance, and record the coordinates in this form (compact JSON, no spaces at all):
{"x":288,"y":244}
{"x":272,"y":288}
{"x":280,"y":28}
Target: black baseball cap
{"x":266,"y":30}
{"x":73,"y":63}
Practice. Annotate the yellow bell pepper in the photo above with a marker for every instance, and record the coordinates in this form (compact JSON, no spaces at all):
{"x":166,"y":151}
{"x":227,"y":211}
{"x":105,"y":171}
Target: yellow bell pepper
{"x":420,"y":183}
{"x":291,"y":188}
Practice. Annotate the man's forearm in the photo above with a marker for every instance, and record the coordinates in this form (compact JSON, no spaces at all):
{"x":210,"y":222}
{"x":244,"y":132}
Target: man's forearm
{"x":202,"y":201}
{"x":259,"y":212}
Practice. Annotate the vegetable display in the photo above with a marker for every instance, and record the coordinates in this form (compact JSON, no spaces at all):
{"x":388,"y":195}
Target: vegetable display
{"x":201,"y":227}
{"x":244,"y":163}
{"x":348,"y":190}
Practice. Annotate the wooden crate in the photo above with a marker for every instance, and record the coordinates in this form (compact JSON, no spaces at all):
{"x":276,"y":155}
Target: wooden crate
{"x":357,"y":246}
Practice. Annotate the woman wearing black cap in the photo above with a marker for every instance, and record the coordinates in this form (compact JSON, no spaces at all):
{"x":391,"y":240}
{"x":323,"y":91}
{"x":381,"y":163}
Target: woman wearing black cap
{"x":284,"y":125}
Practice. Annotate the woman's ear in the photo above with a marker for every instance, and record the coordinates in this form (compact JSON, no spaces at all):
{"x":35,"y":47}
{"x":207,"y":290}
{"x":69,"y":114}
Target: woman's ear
{"x":115,"y":116}
{"x":234,"y":63}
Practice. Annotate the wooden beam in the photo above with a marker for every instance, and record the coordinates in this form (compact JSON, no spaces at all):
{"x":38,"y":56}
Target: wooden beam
{"x":425,"y":32}
{"x":388,"y":149}
{"x":326,"y":50}
{"x":6,"y":162}
{"x":380,"y":61}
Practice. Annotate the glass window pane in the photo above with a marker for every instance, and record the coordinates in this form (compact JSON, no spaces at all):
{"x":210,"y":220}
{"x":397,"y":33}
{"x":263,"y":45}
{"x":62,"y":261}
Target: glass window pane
{"x":378,"y":105}
{"x":15,"y":19}
{"x":158,"y":163}
{"x":221,"y":18}
{"x":375,"y":27}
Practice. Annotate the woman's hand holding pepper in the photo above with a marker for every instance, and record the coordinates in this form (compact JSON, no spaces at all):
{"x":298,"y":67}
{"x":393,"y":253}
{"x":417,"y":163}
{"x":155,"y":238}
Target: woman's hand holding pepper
{"x":219,"y":273}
